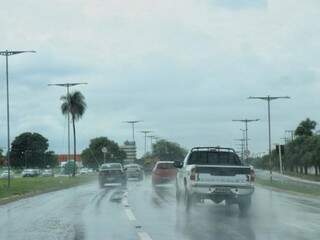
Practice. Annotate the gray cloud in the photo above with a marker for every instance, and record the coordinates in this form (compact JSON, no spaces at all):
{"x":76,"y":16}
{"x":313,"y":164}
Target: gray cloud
{"x":186,"y":69}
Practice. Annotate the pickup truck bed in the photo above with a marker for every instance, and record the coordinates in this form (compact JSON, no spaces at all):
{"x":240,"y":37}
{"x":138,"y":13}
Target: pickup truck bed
{"x":230,"y":183}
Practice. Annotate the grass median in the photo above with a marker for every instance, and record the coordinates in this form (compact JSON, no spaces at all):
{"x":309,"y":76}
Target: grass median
{"x":292,"y":187}
{"x":22,"y":187}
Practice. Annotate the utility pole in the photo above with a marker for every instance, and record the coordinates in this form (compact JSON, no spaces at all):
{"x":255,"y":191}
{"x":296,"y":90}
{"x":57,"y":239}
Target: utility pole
{"x":133,"y":122}
{"x":291,"y":132}
{"x":285,"y":139}
{"x":269,"y":99}
{"x":151,"y":138}
{"x":8,"y":53}
{"x":68,"y":85}
{"x":241,"y":140}
{"x":145,"y":132}
{"x":246,"y":121}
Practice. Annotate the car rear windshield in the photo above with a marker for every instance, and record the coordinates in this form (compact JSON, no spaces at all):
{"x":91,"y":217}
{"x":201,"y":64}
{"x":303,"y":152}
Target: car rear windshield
{"x":111,"y":166}
{"x":214,"y":158}
{"x":165,"y":166}
{"x":132,"y":167}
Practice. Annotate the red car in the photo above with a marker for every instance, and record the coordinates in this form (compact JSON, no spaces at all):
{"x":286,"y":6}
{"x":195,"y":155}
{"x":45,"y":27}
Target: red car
{"x":163,"y":172}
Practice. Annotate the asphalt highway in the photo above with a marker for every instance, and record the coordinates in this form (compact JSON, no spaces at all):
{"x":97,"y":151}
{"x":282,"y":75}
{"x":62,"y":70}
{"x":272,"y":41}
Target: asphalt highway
{"x":143,"y":212}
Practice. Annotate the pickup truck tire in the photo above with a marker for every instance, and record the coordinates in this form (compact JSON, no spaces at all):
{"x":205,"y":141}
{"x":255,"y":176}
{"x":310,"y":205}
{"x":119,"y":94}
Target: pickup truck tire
{"x":244,"y":204}
{"x":124,"y":183}
{"x":141,"y":177}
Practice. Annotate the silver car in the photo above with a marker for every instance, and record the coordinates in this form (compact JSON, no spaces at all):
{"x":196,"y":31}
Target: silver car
{"x":30,"y":173}
{"x":47,"y":173}
{"x":134,"y":171}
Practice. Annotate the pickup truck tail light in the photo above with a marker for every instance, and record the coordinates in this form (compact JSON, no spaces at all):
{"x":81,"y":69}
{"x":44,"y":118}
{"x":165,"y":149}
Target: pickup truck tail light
{"x":252,"y":176}
{"x":194,"y":175}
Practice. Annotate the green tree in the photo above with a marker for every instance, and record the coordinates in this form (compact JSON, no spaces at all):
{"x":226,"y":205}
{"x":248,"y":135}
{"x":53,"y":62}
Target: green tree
{"x":301,"y":153}
{"x":50,"y":159}
{"x":30,"y":150}
{"x":92,"y":156}
{"x":168,"y":151}
{"x":75,"y":105}
{"x":1,"y":157}
{"x":69,"y":168}
{"x":305,"y":128}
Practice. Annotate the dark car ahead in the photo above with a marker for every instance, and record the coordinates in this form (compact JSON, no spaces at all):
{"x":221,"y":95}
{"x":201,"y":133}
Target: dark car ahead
{"x":112,"y":173}
{"x":163,"y":172}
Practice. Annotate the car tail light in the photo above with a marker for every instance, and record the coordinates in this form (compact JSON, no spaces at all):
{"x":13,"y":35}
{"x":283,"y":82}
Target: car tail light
{"x":252,"y":175}
{"x":193,"y":175}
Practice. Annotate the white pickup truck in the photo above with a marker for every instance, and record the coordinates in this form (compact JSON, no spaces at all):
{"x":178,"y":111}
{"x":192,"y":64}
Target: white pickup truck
{"x":214,"y":173}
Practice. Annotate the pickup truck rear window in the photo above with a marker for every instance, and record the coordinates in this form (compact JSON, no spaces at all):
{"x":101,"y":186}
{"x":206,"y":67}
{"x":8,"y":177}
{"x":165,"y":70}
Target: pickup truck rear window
{"x":111,"y":166}
{"x":214,"y":158}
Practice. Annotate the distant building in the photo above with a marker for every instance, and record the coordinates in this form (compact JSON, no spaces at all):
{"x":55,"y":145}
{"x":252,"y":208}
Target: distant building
{"x":129,"y":147}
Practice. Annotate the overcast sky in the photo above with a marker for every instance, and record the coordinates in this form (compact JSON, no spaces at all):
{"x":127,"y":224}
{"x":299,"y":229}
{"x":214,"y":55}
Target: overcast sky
{"x":185,"y":67}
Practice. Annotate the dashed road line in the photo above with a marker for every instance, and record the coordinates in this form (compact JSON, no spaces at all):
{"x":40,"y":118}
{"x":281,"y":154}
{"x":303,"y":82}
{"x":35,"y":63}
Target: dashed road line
{"x":144,"y":236}
{"x":125,"y":202}
{"x":130,"y":215}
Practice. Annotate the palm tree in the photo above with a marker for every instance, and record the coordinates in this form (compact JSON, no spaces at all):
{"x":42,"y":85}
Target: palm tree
{"x":75,"y":105}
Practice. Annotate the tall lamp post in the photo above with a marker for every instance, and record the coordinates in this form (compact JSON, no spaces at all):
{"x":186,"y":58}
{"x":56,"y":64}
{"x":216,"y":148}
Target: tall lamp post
{"x":68,"y":85}
{"x":8,"y":53}
{"x":269,"y":99}
{"x":151,"y":138}
{"x":145,"y":132}
{"x":133,"y":122}
{"x":246,"y":121}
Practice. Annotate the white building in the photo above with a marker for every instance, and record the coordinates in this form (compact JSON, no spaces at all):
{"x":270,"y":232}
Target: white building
{"x":131,"y":151}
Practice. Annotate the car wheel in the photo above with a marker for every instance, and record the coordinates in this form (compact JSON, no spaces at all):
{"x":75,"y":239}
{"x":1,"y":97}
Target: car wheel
{"x":124,"y":183}
{"x":244,"y":204}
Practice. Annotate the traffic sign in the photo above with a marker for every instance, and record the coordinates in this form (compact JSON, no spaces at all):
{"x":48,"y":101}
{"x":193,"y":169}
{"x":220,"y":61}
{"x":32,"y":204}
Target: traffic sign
{"x":104,"y":150}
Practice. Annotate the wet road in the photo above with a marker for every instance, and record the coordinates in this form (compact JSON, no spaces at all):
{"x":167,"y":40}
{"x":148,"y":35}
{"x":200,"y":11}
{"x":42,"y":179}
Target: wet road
{"x":141,"y":212}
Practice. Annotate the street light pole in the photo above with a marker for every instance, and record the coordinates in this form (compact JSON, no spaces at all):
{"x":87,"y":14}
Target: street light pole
{"x":67,"y":85}
{"x":246,"y":121}
{"x":133,"y":122}
{"x":8,"y":53}
{"x":145,"y":132}
{"x":269,"y":99}
{"x":151,"y":138}
{"x":291,"y":132}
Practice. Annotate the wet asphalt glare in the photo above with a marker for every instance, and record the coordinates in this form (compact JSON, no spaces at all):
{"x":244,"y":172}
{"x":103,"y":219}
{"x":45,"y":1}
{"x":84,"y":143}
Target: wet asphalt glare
{"x":140,"y":211}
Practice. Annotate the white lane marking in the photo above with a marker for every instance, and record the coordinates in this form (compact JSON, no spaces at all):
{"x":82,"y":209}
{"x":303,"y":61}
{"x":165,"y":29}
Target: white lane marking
{"x":130,"y":214}
{"x":125,"y":202}
{"x":144,"y":236}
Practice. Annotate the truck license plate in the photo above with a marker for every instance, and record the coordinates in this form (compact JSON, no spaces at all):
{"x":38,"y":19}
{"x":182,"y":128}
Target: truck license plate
{"x":221,"y":190}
